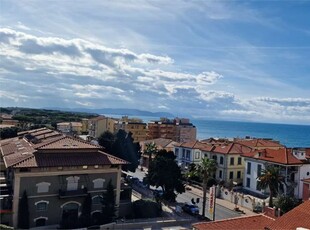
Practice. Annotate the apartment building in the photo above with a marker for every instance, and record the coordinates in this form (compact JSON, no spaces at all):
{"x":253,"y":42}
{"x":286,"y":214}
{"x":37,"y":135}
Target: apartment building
{"x":70,"y":127}
{"x":134,"y":125}
{"x":100,"y":124}
{"x":179,"y":130}
{"x":293,"y":163}
{"x":57,"y":172}
{"x":228,"y":155}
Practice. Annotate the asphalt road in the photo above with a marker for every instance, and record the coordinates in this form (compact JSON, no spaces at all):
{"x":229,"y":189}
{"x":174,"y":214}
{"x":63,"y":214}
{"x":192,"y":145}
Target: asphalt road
{"x":221,"y":212}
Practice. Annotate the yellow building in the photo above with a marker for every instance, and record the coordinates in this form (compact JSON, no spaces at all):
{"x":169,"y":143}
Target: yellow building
{"x":133,"y":125}
{"x":98,"y":125}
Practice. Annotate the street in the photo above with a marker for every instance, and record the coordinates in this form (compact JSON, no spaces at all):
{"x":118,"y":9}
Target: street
{"x":221,"y":212}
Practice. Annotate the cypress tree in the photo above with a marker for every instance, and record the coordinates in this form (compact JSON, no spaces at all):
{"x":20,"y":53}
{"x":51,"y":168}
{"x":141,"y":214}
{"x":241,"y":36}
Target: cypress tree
{"x":23,"y":212}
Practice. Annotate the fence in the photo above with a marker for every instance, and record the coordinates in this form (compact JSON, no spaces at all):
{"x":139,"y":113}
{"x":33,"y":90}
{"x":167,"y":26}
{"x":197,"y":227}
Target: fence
{"x":242,"y":200}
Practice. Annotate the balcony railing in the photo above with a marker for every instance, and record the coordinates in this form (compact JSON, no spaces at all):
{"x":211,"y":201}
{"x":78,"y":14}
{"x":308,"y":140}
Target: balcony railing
{"x":73,"y":193}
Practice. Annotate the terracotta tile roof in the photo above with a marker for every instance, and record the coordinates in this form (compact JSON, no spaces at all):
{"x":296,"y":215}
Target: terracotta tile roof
{"x":281,"y":156}
{"x":67,"y":142}
{"x":259,"y":143}
{"x":197,"y":145}
{"x":297,"y":217}
{"x":231,"y":148}
{"x":246,"y":223}
{"x":161,"y":143}
{"x":22,"y":152}
{"x":69,"y":159}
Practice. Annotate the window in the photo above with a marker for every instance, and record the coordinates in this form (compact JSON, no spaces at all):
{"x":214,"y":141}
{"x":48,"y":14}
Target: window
{"x":183,"y":153}
{"x":232,"y":161}
{"x":220,"y":174}
{"x":98,"y":183}
{"x":177,"y":152}
{"x":231,"y":175}
{"x":72,"y":183}
{"x":43,"y":187}
{"x":96,"y":200}
{"x":214,"y":158}
{"x":41,"y":205}
{"x":238,"y":174}
{"x":259,"y":170}
{"x":188,"y":152}
{"x":197,"y":155}
{"x":221,"y":160}
{"x":248,"y":182}
{"x":239,"y":160}
{"x":248,"y":168}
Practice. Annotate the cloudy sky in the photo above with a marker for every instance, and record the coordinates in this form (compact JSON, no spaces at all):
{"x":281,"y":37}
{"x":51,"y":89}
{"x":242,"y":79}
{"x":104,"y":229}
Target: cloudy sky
{"x":232,"y":60}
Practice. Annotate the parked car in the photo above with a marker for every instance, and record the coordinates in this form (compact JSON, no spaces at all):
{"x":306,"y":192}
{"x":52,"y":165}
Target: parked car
{"x":191,"y":209}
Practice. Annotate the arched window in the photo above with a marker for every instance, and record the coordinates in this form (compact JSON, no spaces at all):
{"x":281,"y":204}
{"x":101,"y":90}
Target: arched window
{"x":98,"y":183}
{"x":43,"y":187}
{"x":72,"y":183}
{"x":96,"y":200}
{"x":221,"y":160}
{"x":40,"y":221}
{"x":41,"y":205}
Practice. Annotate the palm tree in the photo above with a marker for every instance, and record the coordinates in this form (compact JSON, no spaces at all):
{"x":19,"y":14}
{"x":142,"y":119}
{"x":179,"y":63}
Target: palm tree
{"x":205,"y":169}
{"x":270,"y":178}
{"x":151,"y":149}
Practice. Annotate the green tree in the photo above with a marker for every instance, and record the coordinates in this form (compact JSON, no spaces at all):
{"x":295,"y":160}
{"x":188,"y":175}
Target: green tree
{"x":204,"y":170}
{"x":85,"y":218}
{"x":122,"y":146}
{"x":165,"y":173}
{"x":23,"y":212}
{"x":150,"y":150}
{"x":270,"y":178}
{"x":286,"y":203}
{"x":108,"y":204}
{"x":106,"y":140}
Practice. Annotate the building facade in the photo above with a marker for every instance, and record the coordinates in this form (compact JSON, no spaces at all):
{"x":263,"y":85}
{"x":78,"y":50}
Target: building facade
{"x":70,"y":127}
{"x":57,"y":172}
{"x":179,"y":130}
{"x":98,"y":125}
{"x":293,"y":163}
{"x":136,"y":126}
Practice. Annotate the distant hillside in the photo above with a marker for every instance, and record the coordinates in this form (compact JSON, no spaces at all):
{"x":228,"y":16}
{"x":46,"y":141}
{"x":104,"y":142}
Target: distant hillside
{"x":117,"y":111}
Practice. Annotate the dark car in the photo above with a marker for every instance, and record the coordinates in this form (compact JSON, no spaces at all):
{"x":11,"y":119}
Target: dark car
{"x":191,"y":209}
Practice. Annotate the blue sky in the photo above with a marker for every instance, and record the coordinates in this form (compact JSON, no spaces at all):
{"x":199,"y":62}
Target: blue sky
{"x":232,"y":60}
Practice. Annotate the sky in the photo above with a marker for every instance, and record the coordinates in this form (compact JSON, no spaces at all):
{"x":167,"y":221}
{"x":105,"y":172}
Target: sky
{"x":227,"y":60}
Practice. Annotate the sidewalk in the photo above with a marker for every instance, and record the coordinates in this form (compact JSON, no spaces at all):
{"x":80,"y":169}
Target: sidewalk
{"x":222,"y":202}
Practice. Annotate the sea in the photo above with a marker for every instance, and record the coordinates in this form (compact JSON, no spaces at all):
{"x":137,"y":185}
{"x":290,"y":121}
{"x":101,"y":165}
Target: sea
{"x":288,"y":134}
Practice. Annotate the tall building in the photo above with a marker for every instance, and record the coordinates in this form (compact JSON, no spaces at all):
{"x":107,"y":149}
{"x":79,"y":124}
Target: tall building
{"x":179,"y":130}
{"x":134,"y":125}
{"x":98,"y":125}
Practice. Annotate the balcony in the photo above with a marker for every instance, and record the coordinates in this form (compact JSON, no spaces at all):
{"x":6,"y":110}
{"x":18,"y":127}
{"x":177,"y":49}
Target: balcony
{"x":73,"y":193}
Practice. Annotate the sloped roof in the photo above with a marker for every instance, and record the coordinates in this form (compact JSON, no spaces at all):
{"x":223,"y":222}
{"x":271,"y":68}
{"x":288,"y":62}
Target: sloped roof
{"x":161,"y":143}
{"x":280,"y":156}
{"x":297,"y":217}
{"x":231,"y":148}
{"x":52,"y":149}
{"x":259,"y":143}
{"x":240,"y":223}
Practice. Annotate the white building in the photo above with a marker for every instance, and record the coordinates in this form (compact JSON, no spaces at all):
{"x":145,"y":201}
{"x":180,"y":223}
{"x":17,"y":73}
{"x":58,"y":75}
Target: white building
{"x":294,"y":165}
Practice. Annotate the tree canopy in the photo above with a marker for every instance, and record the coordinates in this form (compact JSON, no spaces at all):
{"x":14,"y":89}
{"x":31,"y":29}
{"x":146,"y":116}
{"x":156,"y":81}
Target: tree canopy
{"x":204,"y":171}
{"x":121,"y":145}
{"x":165,"y":173}
{"x":23,"y":212}
{"x":108,"y":204}
{"x":270,"y":178}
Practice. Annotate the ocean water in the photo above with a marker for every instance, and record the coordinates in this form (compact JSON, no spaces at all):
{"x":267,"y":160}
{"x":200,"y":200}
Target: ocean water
{"x":289,"y":135}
